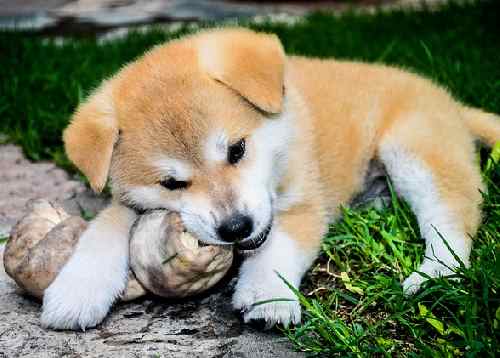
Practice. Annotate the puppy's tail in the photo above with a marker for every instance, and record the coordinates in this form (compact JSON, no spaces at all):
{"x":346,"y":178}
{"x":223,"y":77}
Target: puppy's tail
{"x":483,"y":125}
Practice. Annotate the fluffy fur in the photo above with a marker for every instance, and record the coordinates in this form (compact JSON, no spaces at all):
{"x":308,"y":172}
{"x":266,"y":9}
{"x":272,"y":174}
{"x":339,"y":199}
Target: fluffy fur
{"x":312,"y":127}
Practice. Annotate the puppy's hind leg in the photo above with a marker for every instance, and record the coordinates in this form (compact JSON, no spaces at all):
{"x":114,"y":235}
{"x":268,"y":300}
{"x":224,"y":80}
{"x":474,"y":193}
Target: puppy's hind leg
{"x":444,"y":194}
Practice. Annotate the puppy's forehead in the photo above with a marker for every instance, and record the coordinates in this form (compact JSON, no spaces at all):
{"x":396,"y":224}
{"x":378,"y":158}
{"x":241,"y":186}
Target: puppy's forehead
{"x":167,"y":104}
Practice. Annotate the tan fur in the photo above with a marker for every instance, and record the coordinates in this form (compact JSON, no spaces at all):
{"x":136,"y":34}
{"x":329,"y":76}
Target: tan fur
{"x":90,"y":137}
{"x":366,"y":103}
{"x":483,"y":125}
{"x":168,"y":115}
{"x":170,"y":99}
{"x":252,"y":65}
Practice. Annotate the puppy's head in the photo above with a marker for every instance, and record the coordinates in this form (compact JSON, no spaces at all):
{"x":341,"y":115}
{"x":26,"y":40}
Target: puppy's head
{"x":194,"y":126}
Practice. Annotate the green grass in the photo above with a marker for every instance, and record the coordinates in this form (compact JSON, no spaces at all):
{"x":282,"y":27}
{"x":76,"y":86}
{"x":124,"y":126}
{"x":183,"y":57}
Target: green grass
{"x":352,"y":299}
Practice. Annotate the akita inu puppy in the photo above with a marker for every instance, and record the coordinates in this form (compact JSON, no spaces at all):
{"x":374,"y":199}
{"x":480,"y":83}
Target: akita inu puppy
{"x":259,"y":150}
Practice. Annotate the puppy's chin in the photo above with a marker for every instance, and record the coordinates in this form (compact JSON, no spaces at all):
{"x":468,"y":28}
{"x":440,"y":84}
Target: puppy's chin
{"x":255,"y":241}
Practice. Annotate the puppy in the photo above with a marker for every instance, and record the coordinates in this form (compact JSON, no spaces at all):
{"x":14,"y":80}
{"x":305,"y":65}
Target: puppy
{"x":259,"y":150}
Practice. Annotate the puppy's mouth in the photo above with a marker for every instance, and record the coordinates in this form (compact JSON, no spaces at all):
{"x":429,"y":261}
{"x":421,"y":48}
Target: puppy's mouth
{"x":257,"y":241}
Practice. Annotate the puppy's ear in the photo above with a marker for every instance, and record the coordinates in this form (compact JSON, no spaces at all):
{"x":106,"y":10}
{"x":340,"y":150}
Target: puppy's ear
{"x":250,"y":63}
{"x":91,"y":135}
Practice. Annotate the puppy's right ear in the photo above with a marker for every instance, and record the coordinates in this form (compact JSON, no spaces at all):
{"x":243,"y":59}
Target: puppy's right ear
{"x":91,"y":135}
{"x":251,"y":63}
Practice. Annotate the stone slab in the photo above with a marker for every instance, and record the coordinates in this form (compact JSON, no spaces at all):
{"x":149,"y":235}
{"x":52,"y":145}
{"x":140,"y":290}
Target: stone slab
{"x":203,"y":327}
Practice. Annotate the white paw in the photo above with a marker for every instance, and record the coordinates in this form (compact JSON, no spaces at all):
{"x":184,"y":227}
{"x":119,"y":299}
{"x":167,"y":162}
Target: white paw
{"x":250,"y":298}
{"x":74,"y":305}
{"x":82,"y":294}
{"x":429,"y":268}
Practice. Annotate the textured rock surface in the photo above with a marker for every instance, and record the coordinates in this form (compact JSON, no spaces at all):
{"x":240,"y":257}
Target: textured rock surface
{"x":21,"y":180}
{"x":199,"y":327}
{"x":151,"y":327}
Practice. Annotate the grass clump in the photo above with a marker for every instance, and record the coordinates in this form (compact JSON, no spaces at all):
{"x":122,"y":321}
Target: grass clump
{"x":353,"y":302}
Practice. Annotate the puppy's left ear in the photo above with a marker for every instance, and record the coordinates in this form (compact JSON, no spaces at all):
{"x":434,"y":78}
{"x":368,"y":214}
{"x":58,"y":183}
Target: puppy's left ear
{"x":250,"y":63}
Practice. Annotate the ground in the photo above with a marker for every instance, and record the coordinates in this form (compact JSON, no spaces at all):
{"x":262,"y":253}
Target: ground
{"x":203,"y":327}
{"x":352,"y":298}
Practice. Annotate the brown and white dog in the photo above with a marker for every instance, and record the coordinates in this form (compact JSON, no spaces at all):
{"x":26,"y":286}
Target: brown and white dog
{"x":259,"y":150}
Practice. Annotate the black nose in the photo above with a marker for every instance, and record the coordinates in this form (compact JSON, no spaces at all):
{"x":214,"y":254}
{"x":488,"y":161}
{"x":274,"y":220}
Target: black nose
{"x":235,"y":228}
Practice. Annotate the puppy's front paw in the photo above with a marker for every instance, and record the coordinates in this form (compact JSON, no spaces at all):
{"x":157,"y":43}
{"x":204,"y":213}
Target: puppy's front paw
{"x":268,"y":300}
{"x":73,"y":305}
{"x":79,"y":299}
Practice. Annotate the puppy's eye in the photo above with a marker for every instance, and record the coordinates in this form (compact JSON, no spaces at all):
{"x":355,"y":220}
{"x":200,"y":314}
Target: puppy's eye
{"x":172,"y":184}
{"x":236,"y":151}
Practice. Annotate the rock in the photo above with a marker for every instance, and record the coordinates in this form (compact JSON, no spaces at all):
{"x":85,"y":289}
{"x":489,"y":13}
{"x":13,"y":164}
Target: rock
{"x":40,"y":244}
{"x":134,"y":289}
{"x":169,"y":261}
